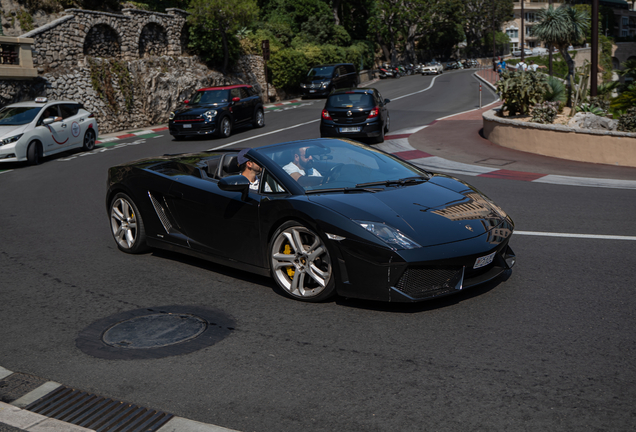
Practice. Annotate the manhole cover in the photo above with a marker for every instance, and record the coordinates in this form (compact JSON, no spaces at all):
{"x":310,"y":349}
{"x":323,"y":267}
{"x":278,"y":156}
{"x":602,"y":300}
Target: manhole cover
{"x":153,"y":331}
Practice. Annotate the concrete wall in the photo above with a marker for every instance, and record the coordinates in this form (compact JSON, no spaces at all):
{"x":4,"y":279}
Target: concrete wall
{"x":583,"y":145}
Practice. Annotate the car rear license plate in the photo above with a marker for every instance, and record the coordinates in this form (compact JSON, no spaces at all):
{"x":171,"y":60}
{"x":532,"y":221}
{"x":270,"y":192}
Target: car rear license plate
{"x":349,"y":129}
{"x":484,"y":261}
{"x":187,"y":126}
{"x":312,"y":91}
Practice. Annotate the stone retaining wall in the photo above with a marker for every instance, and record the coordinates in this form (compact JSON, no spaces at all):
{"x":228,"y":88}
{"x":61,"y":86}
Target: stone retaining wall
{"x":133,"y":34}
{"x":583,"y":145}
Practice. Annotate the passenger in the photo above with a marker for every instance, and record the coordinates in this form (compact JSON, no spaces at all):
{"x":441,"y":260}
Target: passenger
{"x":301,"y":166}
{"x":249,"y":169}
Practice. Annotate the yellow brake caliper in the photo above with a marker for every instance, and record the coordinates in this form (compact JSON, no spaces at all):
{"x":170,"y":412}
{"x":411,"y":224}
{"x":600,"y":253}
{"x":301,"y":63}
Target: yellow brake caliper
{"x":290,"y":270}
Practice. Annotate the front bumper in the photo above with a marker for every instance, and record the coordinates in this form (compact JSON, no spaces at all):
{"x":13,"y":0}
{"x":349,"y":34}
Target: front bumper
{"x":320,"y":91}
{"x":177,"y":129}
{"x":408,"y":276}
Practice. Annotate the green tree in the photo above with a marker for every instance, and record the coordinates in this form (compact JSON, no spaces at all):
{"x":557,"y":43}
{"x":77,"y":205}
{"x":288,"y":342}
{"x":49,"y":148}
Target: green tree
{"x":562,"y":27}
{"x":222,"y":18}
{"x":480,"y":17}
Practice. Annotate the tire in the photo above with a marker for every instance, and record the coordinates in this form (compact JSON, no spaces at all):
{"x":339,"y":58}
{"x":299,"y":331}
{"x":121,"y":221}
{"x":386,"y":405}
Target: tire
{"x":89,"y":140}
{"x":225,"y":127}
{"x":126,"y":224}
{"x":259,"y":118}
{"x":380,"y":138}
{"x":300,"y":263}
{"x":34,"y":153}
{"x":178,"y":137}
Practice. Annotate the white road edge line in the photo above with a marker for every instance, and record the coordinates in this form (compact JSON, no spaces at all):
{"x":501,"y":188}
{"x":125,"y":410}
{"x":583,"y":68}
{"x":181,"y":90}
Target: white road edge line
{"x":265,"y":134}
{"x":4,"y":172}
{"x":582,"y":236}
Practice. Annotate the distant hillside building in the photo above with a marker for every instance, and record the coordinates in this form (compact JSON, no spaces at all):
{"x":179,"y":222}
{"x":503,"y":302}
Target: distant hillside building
{"x":624,"y":16}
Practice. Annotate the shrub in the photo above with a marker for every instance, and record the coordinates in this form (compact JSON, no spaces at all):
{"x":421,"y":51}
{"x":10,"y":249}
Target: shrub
{"x":627,"y":122}
{"x":589,"y":108}
{"x":521,"y":90}
{"x":557,"y":92}
{"x":288,"y":67}
{"x":545,"y":112}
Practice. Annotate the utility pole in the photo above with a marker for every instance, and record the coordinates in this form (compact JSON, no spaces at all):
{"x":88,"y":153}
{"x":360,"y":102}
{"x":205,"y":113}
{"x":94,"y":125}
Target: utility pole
{"x":523,"y":31}
{"x":494,"y":43}
{"x":594,"y":72}
{"x":550,"y":48}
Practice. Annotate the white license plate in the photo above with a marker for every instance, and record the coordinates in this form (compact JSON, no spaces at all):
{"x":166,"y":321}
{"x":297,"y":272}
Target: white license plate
{"x":187,"y":126}
{"x":484,"y":261}
{"x":349,"y":129}
{"x":312,"y":91}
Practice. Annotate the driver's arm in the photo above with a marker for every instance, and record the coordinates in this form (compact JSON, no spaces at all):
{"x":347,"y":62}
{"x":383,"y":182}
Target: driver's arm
{"x":295,"y":175}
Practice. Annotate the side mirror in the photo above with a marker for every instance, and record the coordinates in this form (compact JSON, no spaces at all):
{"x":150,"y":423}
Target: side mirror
{"x":236,"y":99}
{"x":47,"y":121}
{"x":386,"y":101}
{"x":235,"y":183}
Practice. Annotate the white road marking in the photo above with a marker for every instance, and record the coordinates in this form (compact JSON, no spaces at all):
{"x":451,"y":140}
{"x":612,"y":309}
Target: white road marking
{"x":265,"y":134}
{"x":3,"y":172}
{"x":581,"y":236}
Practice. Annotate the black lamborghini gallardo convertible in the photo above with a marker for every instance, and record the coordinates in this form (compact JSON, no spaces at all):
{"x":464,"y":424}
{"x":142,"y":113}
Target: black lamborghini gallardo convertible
{"x":328,"y":216}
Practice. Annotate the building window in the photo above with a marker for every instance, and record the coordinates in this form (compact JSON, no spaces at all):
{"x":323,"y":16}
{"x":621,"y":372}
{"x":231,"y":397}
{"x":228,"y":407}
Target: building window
{"x":625,"y":21}
{"x":530,"y":17}
{"x":513,"y":33}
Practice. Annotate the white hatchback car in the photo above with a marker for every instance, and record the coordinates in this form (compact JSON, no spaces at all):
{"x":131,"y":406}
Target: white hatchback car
{"x":32,"y":130}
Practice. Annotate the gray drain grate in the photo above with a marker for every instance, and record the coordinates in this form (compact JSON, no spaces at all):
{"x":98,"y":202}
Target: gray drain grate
{"x":98,"y":413}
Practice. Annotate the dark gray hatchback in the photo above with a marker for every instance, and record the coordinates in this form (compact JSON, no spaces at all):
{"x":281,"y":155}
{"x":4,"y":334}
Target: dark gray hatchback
{"x":355,"y":113}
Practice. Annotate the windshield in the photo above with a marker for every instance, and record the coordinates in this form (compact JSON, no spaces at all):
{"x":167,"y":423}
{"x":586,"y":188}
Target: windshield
{"x":14,"y":116}
{"x":349,"y":100}
{"x":337,"y":165}
{"x":210,"y":97}
{"x":321,"y":72}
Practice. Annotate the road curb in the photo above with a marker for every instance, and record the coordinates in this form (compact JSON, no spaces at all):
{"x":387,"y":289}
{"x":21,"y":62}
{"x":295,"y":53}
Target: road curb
{"x":16,"y":415}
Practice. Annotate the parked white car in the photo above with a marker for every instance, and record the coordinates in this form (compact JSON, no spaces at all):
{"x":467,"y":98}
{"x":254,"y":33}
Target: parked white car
{"x":32,"y":130}
{"x":526,"y":51}
{"x":432,"y":69}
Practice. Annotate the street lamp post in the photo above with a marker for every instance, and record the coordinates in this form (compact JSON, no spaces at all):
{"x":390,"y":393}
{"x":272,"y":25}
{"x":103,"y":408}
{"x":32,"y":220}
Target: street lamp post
{"x":594,"y":72}
{"x":523,"y":52}
{"x":550,"y":49}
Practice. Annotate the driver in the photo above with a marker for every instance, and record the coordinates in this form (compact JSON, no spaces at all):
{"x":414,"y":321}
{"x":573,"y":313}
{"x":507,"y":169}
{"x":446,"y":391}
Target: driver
{"x":50,"y":112}
{"x":301,"y":165}
{"x":249,"y":169}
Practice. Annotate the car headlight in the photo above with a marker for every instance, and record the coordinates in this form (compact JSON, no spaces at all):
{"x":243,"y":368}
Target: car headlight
{"x":325,"y":84}
{"x":12,"y":139}
{"x":389,"y":235}
{"x":171,"y":116}
{"x":209,"y":115}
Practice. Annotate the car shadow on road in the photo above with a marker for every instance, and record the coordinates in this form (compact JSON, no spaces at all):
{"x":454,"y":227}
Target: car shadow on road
{"x":380,"y":306}
{"x":426,"y":305}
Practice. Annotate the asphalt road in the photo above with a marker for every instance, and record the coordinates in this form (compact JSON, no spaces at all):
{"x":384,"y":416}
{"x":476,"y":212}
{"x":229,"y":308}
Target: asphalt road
{"x":550,"y":347}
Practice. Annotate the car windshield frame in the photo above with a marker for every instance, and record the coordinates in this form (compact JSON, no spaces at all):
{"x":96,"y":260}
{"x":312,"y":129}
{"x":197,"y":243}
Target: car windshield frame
{"x":359,"y":163}
{"x":325,"y":72}
{"x":211,"y":97}
{"x":25,"y":115}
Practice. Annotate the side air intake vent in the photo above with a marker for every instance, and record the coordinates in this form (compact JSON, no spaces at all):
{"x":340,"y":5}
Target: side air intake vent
{"x":163,"y":217}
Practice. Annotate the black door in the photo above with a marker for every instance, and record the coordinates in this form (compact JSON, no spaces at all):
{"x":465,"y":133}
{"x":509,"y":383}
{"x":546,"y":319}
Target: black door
{"x":217,"y":221}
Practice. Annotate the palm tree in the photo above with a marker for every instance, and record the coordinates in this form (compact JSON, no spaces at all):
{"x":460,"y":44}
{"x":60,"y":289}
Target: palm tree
{"x":562,"y":27}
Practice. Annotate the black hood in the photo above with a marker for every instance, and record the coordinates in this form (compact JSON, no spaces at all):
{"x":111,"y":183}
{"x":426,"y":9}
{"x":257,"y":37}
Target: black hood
{"x":316,"y":80}
{"x":428,"y":213}
{"x":200,"y":109}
